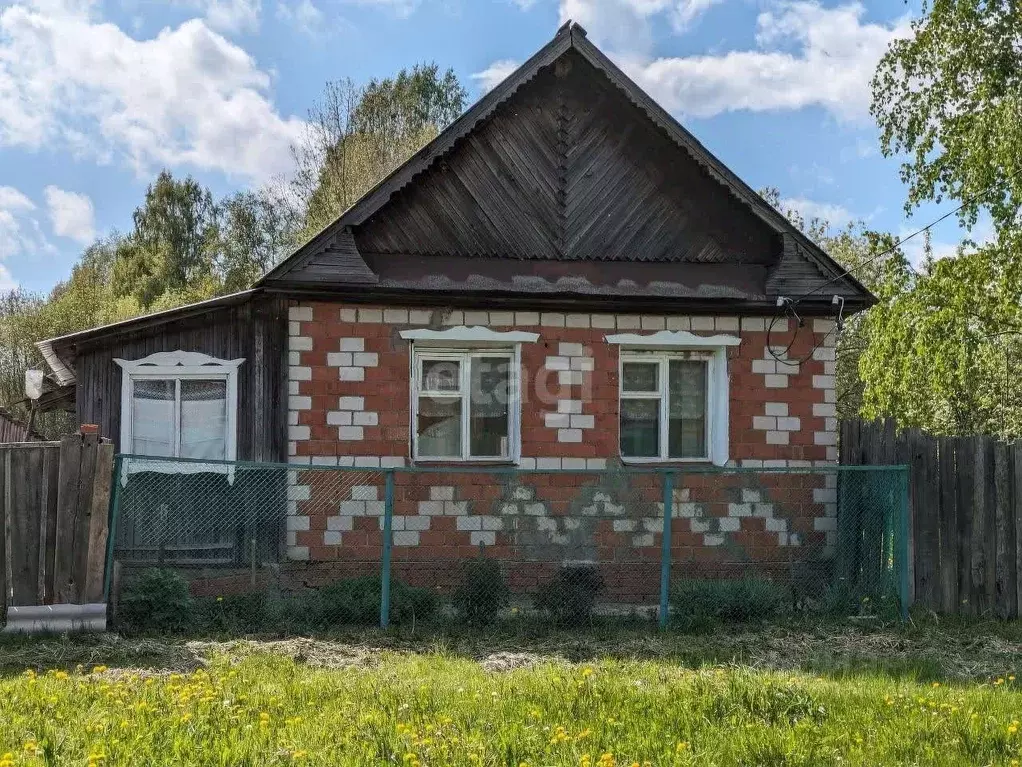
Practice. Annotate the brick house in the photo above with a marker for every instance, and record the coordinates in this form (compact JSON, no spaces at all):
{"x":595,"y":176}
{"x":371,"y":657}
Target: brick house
{"x":564,"y":279}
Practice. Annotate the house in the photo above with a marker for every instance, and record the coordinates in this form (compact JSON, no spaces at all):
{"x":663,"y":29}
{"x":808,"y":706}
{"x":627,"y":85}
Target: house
{"x":564,"y":279}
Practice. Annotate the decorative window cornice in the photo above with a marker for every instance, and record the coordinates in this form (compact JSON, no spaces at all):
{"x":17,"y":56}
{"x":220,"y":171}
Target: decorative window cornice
{"x":672,"y":339}
{"x":462,"y":334}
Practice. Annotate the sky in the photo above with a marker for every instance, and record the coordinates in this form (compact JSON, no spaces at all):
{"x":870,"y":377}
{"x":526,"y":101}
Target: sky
{"x":97,"y":96}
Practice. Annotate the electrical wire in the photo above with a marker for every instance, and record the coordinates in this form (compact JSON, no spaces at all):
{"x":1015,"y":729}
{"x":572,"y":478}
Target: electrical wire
{"x":790,"y":306}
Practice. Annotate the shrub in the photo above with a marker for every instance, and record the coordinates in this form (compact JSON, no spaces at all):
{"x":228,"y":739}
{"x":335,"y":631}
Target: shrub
{"x":483,"y":592}
{"x":570,"y":597}
{"x":356,"y":601}
{"x":703,"y":604}
{"x":157,"y":602}
{"x":233,"y":614}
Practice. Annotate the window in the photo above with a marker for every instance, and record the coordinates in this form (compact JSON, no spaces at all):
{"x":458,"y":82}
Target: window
{"x":179,"y":405}
{"x":666,"y":405}
{"x":465,"y":404}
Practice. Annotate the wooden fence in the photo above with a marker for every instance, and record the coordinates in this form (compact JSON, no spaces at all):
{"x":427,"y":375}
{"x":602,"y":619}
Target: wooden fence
{"x":965,"y":496}
{"x":55,"y":498}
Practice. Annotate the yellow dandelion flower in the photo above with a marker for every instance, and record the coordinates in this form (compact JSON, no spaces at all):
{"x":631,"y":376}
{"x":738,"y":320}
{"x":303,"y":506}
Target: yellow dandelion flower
{"x":98,"y":669}
{"x":299,"y":754}
{"x":682,"y":747}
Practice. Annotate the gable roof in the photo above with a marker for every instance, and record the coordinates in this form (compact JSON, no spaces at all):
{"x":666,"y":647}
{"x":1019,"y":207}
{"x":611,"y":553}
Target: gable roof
{"x":421,"y":199}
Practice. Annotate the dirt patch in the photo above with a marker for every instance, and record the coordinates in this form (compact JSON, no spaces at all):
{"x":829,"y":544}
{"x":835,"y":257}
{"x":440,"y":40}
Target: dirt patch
{"x":510,"y":661}
{"x":311,"y":652}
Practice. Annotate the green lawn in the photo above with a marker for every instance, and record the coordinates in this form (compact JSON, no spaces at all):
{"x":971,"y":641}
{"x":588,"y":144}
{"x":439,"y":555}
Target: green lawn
{"x":435,"y":703}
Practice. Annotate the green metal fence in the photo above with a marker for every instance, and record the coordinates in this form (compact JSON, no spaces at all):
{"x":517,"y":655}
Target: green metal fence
{"x":252,"y":547}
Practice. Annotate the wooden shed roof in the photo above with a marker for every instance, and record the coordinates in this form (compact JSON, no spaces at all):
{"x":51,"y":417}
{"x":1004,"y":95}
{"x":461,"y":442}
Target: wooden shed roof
{"x":567,"y":161}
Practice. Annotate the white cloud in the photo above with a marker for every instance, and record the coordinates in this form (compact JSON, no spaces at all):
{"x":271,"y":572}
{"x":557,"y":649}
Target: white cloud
{"x":185,"y":97}
{"x":836,"y":215}
{"x":71,"y":214}
{"x":229,"y":15}
{"x":806,"y":55}
{"x":400,"y":8}
{"x":20,"y":233}
{"x":494,"y":74}
{"x":626,"y":26}
{"x":303,"y":15}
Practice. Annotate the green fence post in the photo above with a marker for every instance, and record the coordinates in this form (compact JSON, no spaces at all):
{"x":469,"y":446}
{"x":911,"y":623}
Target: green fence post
{"x":388,"y":542}
{"x":114,"y":514}
{"x":903,"y":548}
{"x":665,"y":547}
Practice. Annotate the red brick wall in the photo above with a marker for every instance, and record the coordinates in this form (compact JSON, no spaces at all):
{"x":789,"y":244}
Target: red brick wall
{"x":349,"y":406}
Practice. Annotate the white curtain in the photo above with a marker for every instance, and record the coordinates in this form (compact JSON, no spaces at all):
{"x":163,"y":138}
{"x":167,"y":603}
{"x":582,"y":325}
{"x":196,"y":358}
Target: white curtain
{"x":204,"y":419}
{"x":152,"y":418}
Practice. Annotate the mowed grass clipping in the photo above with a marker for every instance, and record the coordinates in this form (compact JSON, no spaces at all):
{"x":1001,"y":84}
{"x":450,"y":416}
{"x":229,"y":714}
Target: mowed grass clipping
{"x":426,"y":709}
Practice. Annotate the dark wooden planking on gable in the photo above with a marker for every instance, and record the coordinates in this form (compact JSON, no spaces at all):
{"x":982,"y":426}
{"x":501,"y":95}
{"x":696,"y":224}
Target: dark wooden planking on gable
{"x":225,"y":333}
{"x":568,"y":168}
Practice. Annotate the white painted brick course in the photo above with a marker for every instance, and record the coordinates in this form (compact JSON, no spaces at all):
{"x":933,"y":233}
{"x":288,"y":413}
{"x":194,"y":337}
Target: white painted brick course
{"x":300,"y":313}
{"x":777,"y":408}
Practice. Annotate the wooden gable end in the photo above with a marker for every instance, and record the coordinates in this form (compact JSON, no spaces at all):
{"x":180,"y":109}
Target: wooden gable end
{"x":568,"y":168}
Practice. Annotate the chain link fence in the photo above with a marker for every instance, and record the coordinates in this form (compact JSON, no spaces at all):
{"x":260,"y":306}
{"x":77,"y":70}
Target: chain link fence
{"x":244,"y":547}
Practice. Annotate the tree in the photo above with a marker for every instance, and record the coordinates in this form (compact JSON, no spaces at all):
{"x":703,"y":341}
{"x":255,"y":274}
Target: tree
{"x":855,"y":248}
{"x":356,"y":135}
{"x":950,"y":96}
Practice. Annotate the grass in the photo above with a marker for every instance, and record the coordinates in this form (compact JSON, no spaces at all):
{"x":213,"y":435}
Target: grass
{"x":811,"y":696}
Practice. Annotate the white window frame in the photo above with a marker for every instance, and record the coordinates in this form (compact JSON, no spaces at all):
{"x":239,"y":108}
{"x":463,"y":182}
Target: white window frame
{"x":462,"y":356}
{"x":683,"y":345}
{"x":662,"y":395}
{"x":178,"y":366}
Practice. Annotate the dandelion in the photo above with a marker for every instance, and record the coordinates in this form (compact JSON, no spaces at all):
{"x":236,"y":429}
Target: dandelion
{"x":299,"y":754}
{"x":60,"y":675}
{"x":98,"y":669}
{"x":682,"y":747}
{"x":587,"y":672}
{"x":606,"y":760}
{"x":7,"y":760}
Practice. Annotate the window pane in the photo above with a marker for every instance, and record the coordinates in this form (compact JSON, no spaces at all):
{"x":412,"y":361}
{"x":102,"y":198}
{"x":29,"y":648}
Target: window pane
{"x":152,"y":417}
{"x":439,"y":427}
{"x":640,"y":428}
{"x":639,"y":376}
{"x":686,"y":426}
{"x":204,"y":419}
{"x":488,"y":413}
{"x":441,"y":375}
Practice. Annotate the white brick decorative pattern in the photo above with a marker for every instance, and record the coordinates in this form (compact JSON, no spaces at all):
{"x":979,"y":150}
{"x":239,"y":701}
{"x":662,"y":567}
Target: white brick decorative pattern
{"x":571,"y":364}
{"x":351,"y":417}
{"x":825,"y":352}
{"x":352,"y":359}
{"x":296,"y":344}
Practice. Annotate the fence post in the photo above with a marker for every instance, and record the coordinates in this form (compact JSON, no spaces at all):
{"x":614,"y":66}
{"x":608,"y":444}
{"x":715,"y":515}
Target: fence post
{"x":115,"y":511}
{"x":665,"y":547}
{"x":903,"y":552}
{"x":388,"y":542}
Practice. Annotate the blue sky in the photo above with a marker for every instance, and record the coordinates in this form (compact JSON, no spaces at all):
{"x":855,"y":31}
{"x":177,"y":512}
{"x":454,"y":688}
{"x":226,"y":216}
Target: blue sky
{"x":96,"y":97}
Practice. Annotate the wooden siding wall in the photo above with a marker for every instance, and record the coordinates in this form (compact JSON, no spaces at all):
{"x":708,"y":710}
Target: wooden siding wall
{"x":966,"y":514}
{"x":256,"y":331}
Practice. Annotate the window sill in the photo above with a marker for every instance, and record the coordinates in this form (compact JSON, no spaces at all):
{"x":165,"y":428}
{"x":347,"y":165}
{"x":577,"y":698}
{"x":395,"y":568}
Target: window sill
{"x":473,"y":463}
{"x":667,"y":462}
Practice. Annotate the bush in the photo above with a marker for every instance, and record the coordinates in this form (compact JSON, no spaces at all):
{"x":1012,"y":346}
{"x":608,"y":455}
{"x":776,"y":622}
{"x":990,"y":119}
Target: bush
{"x":233,"y":614}
{"x":698,"y":605}
{"x":157,"y":602}
{"x":483,"y":592}
{"x":570,"y":597}
{"x":356,"y":601}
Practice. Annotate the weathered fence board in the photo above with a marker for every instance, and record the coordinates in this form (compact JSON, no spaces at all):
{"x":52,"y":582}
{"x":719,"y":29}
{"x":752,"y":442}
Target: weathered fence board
{"x":54,"y":499}
{"x":966,"y":515}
